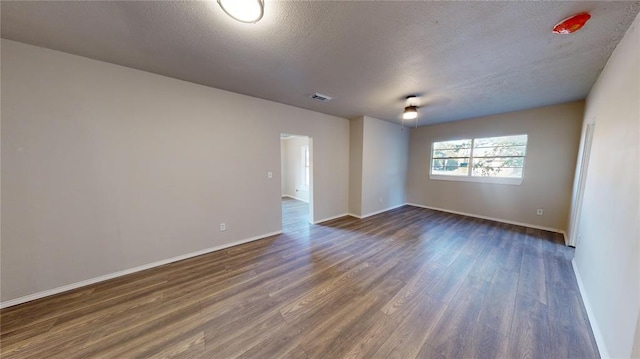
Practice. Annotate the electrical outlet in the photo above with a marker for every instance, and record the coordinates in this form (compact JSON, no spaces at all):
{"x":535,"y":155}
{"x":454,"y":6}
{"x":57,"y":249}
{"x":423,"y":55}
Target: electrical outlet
{"x":380,"y":200}
{"x":223,"y":227}
{"x":269,"y":174}
{"x":539,"y":212}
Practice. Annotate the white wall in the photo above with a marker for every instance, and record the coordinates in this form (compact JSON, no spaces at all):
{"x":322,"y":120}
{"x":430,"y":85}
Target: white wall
{"x":106,"y":168}
{"x":283,"y":166}
{"x":553,"y":137}
{"x":356,"y":127}
{"x":293,"y":180}
{"x":607,"y":256}
{"x":383,"y":159}
{"x":636,"y":344}
{"x":384,"y":165}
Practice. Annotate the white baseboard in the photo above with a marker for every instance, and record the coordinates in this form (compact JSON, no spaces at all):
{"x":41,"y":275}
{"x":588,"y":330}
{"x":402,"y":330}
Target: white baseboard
{"x":296,"y":198}
{"x":602,"y":348}
{"x":354,"y":215}
{"x":550,"y":229}
{"x":330,"y":218}
{"x":380,"y":211}
{"x":46,"y":293}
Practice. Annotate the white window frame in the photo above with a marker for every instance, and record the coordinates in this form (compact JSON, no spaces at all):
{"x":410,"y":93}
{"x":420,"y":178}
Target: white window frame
{"x":478,"y":179}
{"x":306,"y":167}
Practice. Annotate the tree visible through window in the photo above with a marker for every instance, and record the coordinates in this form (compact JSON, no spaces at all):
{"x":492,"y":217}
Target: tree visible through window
{"x":451,"y":158}
{"x":501,"y":157}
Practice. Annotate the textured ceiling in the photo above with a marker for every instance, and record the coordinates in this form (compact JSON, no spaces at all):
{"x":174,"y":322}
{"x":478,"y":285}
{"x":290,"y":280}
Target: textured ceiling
{"x":464,"y":59}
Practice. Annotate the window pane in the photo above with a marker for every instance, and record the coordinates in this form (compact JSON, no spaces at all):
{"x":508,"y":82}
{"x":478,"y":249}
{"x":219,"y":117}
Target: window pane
{"x":450,"y":167}
{"x":499,"y":151}
{"x":498,"y":167}
{"x":516,"y":140}
{"x":459,"y":153}
{"x":306,"y":156}
{"x":451,"y":145}
{"x":501,"y":156}
{"x":305,"y":164}
{"x":503,"y":172}
{"x":451,"y":158}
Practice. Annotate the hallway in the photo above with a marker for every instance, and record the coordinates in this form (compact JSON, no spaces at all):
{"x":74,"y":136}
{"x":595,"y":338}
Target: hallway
{"x":295,"y":215}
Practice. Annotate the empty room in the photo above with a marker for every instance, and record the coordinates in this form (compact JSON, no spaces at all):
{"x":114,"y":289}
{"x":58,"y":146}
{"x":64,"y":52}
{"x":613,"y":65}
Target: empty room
{"x":320,"y":179}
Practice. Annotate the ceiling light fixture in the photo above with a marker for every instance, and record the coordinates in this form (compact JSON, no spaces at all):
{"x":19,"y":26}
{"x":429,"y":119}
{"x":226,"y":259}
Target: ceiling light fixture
{"x":571,"y":24}
{"x":410,"y":113}
{"x":247,"y":11}
{"x":411,"y":110}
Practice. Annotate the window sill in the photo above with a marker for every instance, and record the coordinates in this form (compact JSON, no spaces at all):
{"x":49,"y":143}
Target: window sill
{"x":495,"y":180}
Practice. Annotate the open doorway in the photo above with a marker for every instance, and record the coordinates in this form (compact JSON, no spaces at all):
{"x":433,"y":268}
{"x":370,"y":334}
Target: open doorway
{"x":296,"y":164}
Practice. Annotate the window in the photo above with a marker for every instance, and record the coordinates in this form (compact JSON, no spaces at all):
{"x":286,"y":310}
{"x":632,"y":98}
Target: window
{"x":490,"y":159}
{"x":305,"y":165}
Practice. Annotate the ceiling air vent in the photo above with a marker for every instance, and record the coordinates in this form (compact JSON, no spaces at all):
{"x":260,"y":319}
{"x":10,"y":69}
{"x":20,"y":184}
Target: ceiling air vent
{"x":320,"y":97}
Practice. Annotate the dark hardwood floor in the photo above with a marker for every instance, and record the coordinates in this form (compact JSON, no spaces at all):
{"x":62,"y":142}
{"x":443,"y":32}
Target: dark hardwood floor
{"x":407,"y":283}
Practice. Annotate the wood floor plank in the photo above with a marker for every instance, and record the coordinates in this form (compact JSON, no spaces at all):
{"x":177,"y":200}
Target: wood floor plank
{"x":55,"y":347}
{"x":319,"y":296}
{"x":513,"y":248}
{"x":374,"y":330}
{"x":451,"y":280}
{"x":416,"y":287}
{"x":332,"y":333}
{"x":334,"y":337}
{"x":190,"y":347}
{"x":408,"y":338}
{"x":274,"y":346}
{"x":486,"y":343}
{"x":531,"y":282}
{"x":115,"y":341}
{"x":499,"y":305}
{"x":428,"y":352}
{"x":233,"y":344}
{"x":18,"y":317}
{"x":26,"y":332}
{"x":296,"y":353}
{"x":529,"y":336}
{"x":487,"y":263}
{"x":565,"y":306}
{"x":453,"y":331}
{"x":407,"y":283}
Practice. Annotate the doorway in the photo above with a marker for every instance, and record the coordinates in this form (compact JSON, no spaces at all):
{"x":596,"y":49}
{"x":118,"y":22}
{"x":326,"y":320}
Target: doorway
{"x":296,"y":165}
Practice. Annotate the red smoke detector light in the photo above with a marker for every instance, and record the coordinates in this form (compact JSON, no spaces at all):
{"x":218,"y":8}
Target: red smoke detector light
{"x":571,"y":24}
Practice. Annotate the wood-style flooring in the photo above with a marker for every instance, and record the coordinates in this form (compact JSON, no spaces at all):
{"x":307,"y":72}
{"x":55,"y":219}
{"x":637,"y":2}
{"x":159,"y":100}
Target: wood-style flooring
{"x":406,"y":283}
{"x":295,"y":215}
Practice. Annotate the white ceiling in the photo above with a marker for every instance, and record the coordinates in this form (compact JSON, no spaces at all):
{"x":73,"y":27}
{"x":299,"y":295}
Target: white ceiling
{"x":464,"y":59}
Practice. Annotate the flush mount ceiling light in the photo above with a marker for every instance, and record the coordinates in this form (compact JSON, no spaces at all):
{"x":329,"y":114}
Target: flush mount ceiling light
{"x":411,"y":110}
{"x":248,"y":11}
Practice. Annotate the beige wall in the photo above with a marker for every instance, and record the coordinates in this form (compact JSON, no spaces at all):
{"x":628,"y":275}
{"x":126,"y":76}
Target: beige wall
{"x":636,"y":344}
{"x":607,"y":254}
{"x":554,"y":133}
{"x":106,"y":168}
{"x":378,"y":166}
{"x":294,"y":185}
{"x":384,"y":165}
{"x":355,"y":165}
